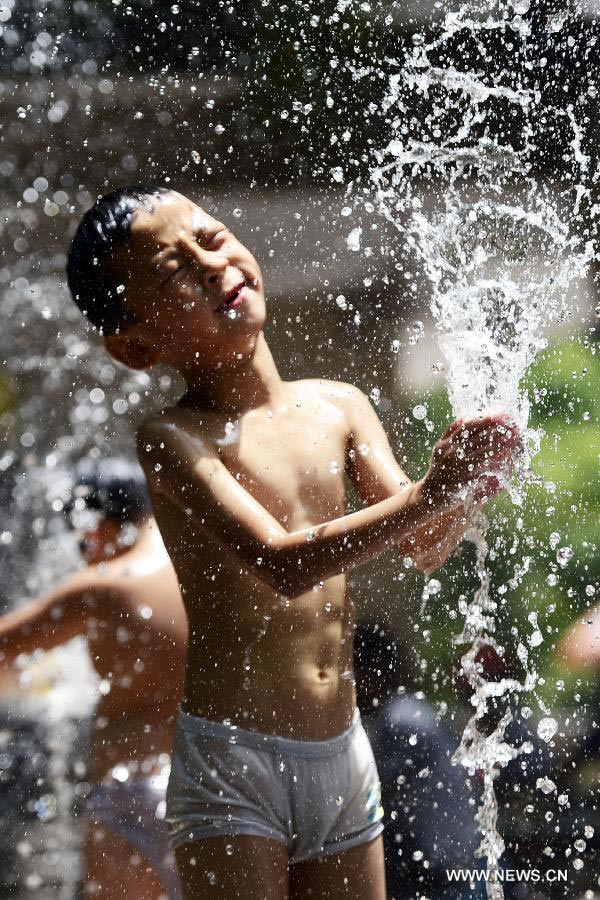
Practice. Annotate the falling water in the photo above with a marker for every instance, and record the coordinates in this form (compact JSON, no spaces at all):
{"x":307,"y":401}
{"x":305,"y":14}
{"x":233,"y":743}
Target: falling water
{"x":500,"y":247}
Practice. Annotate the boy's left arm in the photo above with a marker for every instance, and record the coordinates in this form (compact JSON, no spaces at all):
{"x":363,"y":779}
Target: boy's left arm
{"x":376,"y":475}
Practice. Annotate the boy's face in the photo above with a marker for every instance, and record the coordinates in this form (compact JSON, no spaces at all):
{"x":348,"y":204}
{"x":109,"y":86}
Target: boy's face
{"x":196,"y":293}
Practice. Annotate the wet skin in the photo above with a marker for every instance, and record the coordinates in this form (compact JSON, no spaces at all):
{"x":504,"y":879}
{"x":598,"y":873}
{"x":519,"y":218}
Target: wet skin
{"x":247,"y":479}
{"x":129,"y":608}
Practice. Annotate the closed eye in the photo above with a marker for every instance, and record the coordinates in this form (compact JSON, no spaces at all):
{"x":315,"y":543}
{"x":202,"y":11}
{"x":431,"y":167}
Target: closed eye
{"x":181,"y":268}
{"x":207,"y":241}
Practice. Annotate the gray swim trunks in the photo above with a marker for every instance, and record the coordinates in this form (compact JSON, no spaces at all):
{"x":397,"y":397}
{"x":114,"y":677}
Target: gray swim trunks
{"x":317,"y":797}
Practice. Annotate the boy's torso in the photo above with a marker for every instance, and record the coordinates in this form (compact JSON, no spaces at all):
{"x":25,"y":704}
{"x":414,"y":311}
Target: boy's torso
{"x":256,"y":658}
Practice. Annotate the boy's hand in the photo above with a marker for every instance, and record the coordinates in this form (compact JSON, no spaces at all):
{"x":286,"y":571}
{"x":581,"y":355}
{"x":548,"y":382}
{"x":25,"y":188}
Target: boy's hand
{"x":467,"y":456}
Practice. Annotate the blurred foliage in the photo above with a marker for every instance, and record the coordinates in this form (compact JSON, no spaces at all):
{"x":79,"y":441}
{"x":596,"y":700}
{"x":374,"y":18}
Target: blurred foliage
{"x":560,"y":508}
{"x":8,"y":398}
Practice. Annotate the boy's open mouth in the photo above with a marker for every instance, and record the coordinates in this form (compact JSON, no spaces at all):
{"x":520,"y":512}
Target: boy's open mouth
{"x":233,"y":298}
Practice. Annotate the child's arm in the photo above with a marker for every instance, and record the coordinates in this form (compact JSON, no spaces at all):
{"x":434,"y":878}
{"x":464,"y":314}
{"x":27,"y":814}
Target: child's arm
{"x":189,"y":472}
{"x":47,"y":622}
{"x":376,"y":476}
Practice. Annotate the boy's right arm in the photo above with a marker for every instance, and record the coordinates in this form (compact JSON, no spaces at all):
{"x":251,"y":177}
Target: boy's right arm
{"x":189,"y":472}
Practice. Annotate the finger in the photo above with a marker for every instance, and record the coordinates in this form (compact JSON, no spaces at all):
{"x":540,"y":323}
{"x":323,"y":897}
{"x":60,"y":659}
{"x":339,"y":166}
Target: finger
{"x":452,"y":429}
{"x":489,"y":437}
{"x":501,"y":430}
{"x":487,"y":489}
{"x":492,"y":419}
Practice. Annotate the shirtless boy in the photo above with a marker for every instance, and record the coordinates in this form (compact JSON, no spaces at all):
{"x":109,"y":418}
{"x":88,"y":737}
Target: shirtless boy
{"x":273,"y":790}
{"x":127,"y":603}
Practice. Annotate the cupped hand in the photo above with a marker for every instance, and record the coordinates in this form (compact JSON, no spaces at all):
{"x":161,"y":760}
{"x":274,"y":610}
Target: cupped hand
{"x":472,"y":453}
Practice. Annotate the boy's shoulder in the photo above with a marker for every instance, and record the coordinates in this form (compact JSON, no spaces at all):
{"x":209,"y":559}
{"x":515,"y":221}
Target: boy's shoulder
{"x":161,"y":422}
{"x":346,"y":397}
{"x":174,"y":434}
{"x":340,"y":392}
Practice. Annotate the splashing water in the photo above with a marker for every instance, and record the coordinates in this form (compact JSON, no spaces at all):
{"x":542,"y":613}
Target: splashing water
{"x":500,"y":248}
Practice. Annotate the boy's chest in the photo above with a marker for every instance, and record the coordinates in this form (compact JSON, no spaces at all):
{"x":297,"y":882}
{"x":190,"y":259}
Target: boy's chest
{"x":293,"y":464}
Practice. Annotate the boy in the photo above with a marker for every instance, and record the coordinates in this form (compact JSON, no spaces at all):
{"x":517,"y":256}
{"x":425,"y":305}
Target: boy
{"x":273,"y":790}
{"x":127,"y":603}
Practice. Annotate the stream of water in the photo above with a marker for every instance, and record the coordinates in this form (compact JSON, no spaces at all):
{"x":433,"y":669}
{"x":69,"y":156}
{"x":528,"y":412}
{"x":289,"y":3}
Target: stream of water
{"x":501,"y":254}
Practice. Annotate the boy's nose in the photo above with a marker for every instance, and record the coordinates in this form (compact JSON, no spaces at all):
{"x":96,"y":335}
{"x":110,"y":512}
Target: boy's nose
{"x":210,"y":264}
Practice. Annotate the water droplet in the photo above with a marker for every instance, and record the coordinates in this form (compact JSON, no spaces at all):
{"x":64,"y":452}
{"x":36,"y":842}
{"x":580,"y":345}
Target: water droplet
{"x":237,"y":214}
{"x":417,"y":855}
{"x":563,"y":556}
{"x":590,"y":590}
{"x":419,"y":411}
{"x":341,"y":302}
{"x":578,"y":864}
{"x":334,"y":467}
{"x":545,"y":785}
{"x":556,"y":23}
{"x":580,"y":845}
{"x":212,"y":878}
{"x":395,"y":346}
{"x":375,"y":395}
{"x":412,"y":740}
{"x":588,"y":831}
{"x":229,"y":849}
{"x":353,"y":239}
{"x":339,"y":801}
{"x":552,"y":580}
{"x":547,"y":728}
{"x":120,"y":288}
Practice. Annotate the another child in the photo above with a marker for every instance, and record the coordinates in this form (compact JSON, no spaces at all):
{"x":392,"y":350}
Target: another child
{"x":127,"y":604}
{"x":273,"y":790}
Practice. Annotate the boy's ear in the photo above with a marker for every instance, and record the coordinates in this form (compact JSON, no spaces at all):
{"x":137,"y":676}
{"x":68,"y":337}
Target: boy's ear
{"x":131,"y":351}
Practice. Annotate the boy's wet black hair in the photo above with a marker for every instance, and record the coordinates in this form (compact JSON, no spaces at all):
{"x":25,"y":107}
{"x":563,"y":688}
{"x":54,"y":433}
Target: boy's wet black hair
{"x":115,"y":486}
{"x":105,"y":226}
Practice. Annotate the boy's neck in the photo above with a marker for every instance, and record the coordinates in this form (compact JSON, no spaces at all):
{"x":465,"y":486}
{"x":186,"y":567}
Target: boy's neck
{"x":235,"y":385}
